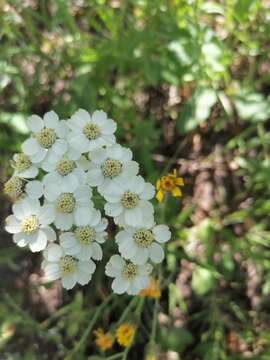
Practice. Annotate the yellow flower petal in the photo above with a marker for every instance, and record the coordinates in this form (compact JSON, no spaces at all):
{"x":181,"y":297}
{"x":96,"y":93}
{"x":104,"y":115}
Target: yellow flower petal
{"x":160,"y":196}
{"x":176,"y":192}
{"x":179,"y":181}
{"x":158,"y":184}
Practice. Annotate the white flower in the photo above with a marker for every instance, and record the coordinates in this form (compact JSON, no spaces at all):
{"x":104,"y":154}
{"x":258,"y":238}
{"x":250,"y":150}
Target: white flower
{"x":29,"y":224}
{"x":47,"y":137}
{"x":66,"y":174}
{"x":129,"y":277}
{"x":109,"y":164}
{"x":127,"y":201}
{"x":84,"y":241}
{"x":90,"y":132}
{"x":23,"y":166}
{"x":70,"y":207}
{"x":140,"y":244}
{"x":58,"y":265}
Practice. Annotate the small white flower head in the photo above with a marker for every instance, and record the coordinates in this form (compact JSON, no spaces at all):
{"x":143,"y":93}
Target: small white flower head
{"x":140,"y":244}
{"x":129,"y":277}
{"x":46,"y":137}
{"x":70,"y":207}
{"x":109,"y":164}
{"x":58,"y":265}
{"x":30,"y":224}
{"x":127,"y":201}
{"x":66,"y":174}
{"x":23,"y":166}
{"x":84,"y":241}
{"x":91,"y":132}
{"x":17,"y":188}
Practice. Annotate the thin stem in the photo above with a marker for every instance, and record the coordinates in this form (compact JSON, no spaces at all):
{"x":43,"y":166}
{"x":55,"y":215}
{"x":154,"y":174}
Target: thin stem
{"x":81,"y":343}
{"x":115,"y":356}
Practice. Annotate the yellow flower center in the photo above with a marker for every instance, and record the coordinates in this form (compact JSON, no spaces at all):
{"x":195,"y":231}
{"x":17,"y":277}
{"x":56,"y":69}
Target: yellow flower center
{"x":22,"y":162}
{"x":143,"y":238}
{"x":91,"y":131}
{"x":111,"y":168}
{"x":14,"y":187}
{"x":167,"y":183}
{"x":130,"y":200}
{"x":129,"y":270}
{"x":67,"y":264}
{"x":85,"y":234}
{"x":46,"y":138}
{"x":125,"y":334}
{"x":30,"y":225}
{"x":65,"y":203}
{"x":65,"y":167}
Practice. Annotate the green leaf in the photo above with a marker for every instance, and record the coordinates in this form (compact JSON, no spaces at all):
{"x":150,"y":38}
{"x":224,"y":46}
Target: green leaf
{"x":252,"y":106}
{"x":202,"y":280}
{"x":176,"y":339}
{"x":196,"y":110}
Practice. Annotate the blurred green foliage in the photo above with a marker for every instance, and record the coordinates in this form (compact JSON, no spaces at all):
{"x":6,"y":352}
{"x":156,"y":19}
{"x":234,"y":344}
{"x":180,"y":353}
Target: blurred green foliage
{"x":188,"y":83}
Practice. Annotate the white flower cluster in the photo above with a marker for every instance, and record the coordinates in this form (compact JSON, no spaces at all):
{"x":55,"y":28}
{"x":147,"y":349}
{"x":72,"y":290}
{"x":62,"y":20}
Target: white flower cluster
{"x":54,"y":177}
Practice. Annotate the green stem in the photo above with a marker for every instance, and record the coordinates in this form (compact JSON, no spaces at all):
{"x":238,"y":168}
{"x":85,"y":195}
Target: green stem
{"x":81,"y":343}
{"x":115,"y":356}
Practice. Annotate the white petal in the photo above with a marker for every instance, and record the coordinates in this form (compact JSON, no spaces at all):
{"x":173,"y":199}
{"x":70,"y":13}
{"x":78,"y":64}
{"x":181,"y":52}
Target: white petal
{"x":30,"y":146}
{"x":137,"y":184}
{"x":67,"y":240}
{"x":85,"y":252}
{"x":50,"y":233}
{"x":117,"y":262}
{"x":95,"y":218}
{"x":131,"y":168}
{"x":83,"y":278}
{"x":53,"y":252}
{"x":156,"y":253}
{"x":128,"y":249}
{"x":51,"y":192}
{"x":113,"y":209}
{"x":60,"y":147}
{"x":148,"y":192}
{"x":79,"y":142}
{"x":69,"y":183}
{"x":20,"y":240}
{"x":95,"y":177}
{"x":61,"y":129}
{"x":52,"y":272}
{"x":29,"y":173}
{"x":68,"y":281}
{"x":98,"y":156}
{"x":51,"y":119}
{"x":162,"y":233}
{"x":140,"y":257}
{"x":35,"y":123}
{"x":13,"y":226}
{"x":88,"y":266}
{"x":82,"y":216}
{"x":47,"y":214}
{"x":63,"y":221}
{"x":109,"y":128}
{"x":133,"y":217}
{"x":34,"y":189}
{"x":39,"y":156}
{"x":83,"y":194}
{"x":40,"y":243}
{"x":120,"y":285}
{"x":97,"y":251}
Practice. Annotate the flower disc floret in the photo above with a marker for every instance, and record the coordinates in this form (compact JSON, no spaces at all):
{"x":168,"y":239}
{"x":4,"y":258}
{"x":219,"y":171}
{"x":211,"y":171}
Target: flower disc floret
{"x":85,"y":234}
{"x":46,"y":137}
{"x":143,"y":238}
{"x":65,"y":167}
{"x":22,"y":162}
{"x":67,"y":264}
{"x":111,"y":168}
{"x":30,"y":225}
{"x":129,"y":270}
{"x":14,"y":187}
{"x":65,"y":203}
{"x":91,"y":131}
{"x":129,"y":200}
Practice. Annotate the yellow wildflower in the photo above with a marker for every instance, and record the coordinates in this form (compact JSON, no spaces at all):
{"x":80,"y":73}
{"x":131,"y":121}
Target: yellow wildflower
{"x":152,"y":290}
{"x":169,"y":183}
{"x":104,"y":341}
{"x":125,"y":334}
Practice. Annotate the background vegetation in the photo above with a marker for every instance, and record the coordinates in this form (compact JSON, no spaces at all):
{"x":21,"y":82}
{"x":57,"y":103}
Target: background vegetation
{"x":188,"y":83}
